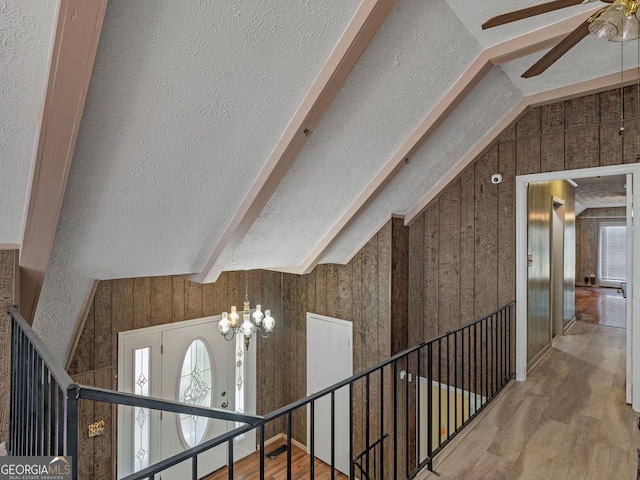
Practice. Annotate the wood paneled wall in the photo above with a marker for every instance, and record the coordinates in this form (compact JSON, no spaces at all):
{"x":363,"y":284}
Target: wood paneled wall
{"x":128,"y":304}
{"x":587,"y":224}
{"x":462,"y":247}
{"x":360,"y":292}
{"x":8,"y":262}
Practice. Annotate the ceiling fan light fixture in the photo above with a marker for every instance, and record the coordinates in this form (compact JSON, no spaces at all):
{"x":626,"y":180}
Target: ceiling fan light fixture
{"x":603,"y":28}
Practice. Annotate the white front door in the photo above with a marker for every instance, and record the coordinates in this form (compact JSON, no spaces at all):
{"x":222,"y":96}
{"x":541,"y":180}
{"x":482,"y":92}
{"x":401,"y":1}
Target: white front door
{"x":194,"y":371}
{"x":330,"y":360}
{"x":188,"y":362}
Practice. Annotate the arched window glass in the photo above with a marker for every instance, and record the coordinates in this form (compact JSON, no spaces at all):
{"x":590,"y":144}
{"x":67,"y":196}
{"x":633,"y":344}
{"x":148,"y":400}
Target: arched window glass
{"x":195,"y":388}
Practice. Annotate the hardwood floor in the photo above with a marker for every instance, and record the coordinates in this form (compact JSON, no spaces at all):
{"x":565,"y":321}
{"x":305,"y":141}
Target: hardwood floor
{"x":569,"y":420}
{"x":601,"y":306}
{"x":276,"y":469}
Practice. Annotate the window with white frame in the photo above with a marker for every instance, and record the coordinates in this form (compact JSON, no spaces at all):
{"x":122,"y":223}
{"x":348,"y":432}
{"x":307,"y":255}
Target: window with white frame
{"x":612,"y":254}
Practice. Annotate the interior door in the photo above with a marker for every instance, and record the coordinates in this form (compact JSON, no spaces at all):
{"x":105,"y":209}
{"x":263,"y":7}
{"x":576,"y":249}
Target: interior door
{"x":330,"y":360}
{"x":194,"y":370}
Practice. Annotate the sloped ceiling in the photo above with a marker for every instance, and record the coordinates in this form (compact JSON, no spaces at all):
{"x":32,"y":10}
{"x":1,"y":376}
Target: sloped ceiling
{"x":189,"y":100}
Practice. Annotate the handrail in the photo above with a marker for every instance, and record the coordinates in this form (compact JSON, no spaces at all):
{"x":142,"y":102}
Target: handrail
{"x":303,"y":401}
{"x":58,"y":372}
{"x":190,"y":453}
{"x":483,"y":346}
{"x":132,"y":400}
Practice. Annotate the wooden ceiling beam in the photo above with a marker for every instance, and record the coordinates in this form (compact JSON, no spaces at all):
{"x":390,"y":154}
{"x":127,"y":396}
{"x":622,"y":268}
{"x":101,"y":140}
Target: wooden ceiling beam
{"x":74,"y":45}
{"x":515,"y":48}
{"x":355,"y":40}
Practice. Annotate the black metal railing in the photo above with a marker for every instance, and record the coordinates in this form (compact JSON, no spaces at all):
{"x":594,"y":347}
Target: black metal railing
{"x":43,"y":406}
{"x":401,"y":412}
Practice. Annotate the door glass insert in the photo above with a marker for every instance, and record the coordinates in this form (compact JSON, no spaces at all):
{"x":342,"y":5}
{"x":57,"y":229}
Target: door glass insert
{"x":141,"y":422}
{"x":195,"y":388}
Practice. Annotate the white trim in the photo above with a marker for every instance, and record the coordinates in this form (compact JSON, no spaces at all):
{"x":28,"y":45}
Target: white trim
{"x":634,"y":289}
{"x":521,"y":262}
{"x":521,"y":280}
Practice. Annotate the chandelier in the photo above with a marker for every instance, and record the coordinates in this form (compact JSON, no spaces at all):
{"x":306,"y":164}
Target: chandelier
{"x":263,"y":323}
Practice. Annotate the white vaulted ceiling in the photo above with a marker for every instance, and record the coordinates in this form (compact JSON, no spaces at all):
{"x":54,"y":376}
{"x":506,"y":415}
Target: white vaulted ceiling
{"x":191,"y":104}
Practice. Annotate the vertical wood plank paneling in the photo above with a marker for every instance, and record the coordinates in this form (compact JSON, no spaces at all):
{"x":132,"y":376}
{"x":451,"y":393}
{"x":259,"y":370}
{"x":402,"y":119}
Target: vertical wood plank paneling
{"x":587,"y":240}
{"x":506,"y":225}
{"x":610,"y":145}
{"x":332,"y":290}
{"x":399,"y":314}
{"x":467,"y":245}
{"x":552,"y":118}
{"x":486,"y":228}
{"x":161,"y":300}
{"x":321,"y":289}
{"x":383,"y":255}
{"x":193,"y":300}
{"x":356,"y":313}
{"x":235,"y":288}
{"x":449,"y":258}
{"x":141,"y":302}
{"x":102,"y":444}
{"x":370,"y":294}
{"x":178,"y":299}
{"x":416,"y":281}
{"x":208,"y":300}
{"x":103,"y":336}
{"x":7,"y":269}
{"x":631,"y":101}
{"x":582,"y":148}
{"x":311,"y":291}
{"x":528,"y":155}
{"x":529,"y":124}
{"x":86,"y":416}
{"x":552,"y":152}
{"x":431,"y":250}
{"x":83,"y":359}
{"x":221,"y":300}
{"x":582,"y":111}
{"x":631,"y":142}
{"x":122,"y":315}
{"x":344,"y":291}
{"x":610,"y":102}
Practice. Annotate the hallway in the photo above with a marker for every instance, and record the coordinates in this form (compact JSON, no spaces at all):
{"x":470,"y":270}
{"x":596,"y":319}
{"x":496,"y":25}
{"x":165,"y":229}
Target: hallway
{"x":569,"y":420}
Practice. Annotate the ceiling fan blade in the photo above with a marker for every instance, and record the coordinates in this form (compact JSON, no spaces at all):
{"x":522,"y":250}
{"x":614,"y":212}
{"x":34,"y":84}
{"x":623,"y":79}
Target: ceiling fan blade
{"x":553,"y":55}
{"x":529,"y":12}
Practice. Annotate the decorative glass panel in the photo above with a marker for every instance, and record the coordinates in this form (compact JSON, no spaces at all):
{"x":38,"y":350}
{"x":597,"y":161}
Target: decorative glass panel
{"x":195,"y":388}
{"x":141,"y":427}
{"x":240,"y":380}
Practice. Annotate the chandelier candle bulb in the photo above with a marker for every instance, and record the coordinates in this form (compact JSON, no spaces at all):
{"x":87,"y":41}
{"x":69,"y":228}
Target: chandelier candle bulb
{"x":258,"y":315}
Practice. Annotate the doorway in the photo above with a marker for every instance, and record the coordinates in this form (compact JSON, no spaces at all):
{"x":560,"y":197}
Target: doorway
{"x":189,"y":362}
{"x":329,"y":360}
{"x":632,"y":171}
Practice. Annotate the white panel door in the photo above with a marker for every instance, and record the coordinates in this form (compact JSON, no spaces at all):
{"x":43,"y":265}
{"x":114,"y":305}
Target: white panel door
{"x":330,"y":360}
{"x":194,"y":370}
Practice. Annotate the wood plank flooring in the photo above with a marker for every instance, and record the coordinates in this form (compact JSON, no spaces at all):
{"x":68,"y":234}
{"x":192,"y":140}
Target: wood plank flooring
{"x":569,"y":420}
{"x":249,"y":467}
{"x":601,"y":306}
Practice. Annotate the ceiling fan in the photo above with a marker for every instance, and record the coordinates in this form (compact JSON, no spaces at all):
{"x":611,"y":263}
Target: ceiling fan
{"x":617,"y":22}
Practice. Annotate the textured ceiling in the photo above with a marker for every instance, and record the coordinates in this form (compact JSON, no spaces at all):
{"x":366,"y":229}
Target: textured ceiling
{"x":189,"y":99}
{"x":601,"y":192}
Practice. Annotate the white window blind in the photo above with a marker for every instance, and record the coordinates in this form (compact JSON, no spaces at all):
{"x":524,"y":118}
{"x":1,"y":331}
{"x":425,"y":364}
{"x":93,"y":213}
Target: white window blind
{"x":613,"y":253}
